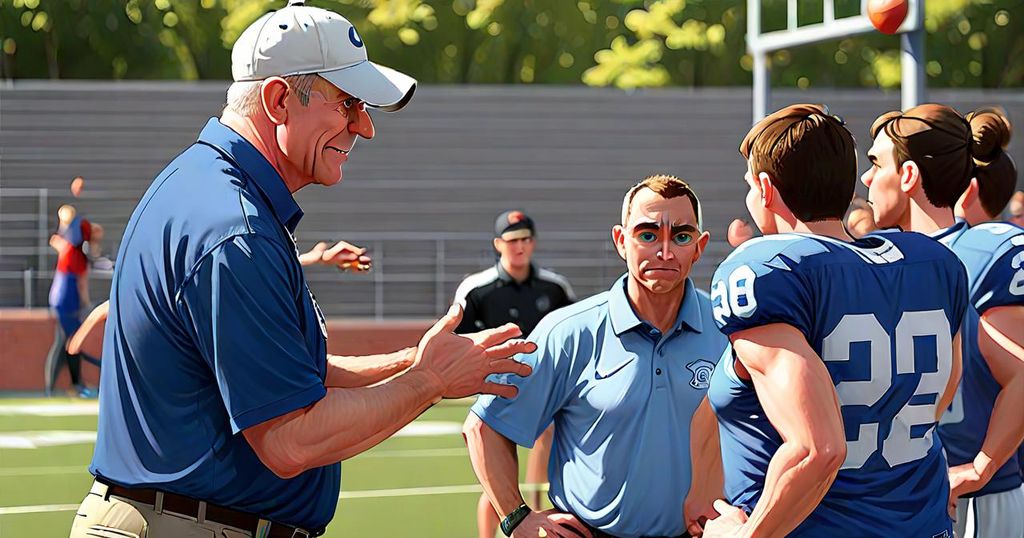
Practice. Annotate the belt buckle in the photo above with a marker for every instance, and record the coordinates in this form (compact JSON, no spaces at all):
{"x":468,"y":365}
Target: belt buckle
{"x":299,"y":533}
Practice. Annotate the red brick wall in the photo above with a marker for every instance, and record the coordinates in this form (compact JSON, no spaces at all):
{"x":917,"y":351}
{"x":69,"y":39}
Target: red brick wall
{"x":27,"y":334}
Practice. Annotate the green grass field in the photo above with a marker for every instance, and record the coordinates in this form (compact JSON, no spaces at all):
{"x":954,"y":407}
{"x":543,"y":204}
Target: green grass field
{"x":419,"y":486}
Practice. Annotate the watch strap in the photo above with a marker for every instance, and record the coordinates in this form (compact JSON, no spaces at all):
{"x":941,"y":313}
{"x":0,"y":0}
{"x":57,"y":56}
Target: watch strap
{"x":513,"y":520}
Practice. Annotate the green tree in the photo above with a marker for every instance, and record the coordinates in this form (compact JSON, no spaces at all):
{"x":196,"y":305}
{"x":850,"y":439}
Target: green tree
{"x":623,"y":43}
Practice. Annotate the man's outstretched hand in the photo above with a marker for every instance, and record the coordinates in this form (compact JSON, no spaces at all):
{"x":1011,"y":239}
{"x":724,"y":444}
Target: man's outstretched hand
{"x":462,"y":362}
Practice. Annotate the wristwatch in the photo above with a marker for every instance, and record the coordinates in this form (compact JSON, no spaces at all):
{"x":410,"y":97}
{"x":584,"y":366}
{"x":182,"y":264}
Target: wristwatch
{"x":513,"y":520}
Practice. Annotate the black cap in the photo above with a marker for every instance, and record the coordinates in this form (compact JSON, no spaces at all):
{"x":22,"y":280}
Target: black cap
{"x":513,"y":221}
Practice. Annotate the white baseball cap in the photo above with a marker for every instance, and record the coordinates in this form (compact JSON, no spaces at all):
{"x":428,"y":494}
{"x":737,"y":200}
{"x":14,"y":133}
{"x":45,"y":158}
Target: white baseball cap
{"x":300,"y":40}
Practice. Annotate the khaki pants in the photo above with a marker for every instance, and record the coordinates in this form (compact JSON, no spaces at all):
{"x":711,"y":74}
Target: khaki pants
{"x":101,"y":516}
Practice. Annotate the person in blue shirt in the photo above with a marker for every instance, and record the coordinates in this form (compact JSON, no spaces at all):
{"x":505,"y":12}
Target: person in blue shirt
{"x":844,"y":352}
{"x":922,"y":169}
{"x":221,"y":412}
{"x":622,"y":376}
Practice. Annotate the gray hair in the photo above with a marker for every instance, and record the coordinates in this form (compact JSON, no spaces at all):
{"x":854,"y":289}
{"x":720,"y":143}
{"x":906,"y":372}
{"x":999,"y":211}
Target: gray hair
{"x":244,"y":97}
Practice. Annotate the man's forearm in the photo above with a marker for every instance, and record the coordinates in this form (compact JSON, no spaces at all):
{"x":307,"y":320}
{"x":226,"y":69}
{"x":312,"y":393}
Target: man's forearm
{"x":1002,"y":346}
{"x":344,"y":423}
{"x":799,"y":398}
{"x":796,"y":482}
{"x":705,"y":446}
{"x":1005,"y":429}
{"x":496,"y":464}
{"x":352,"y":372}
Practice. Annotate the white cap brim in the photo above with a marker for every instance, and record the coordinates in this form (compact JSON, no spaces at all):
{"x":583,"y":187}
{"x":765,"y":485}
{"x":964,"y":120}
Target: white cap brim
{"x":378,"y":86}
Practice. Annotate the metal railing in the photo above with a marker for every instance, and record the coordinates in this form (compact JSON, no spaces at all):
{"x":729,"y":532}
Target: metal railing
{"x":437,"y":261}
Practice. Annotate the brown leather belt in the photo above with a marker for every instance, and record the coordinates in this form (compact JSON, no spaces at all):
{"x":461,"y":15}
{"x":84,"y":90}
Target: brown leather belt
{"x":187,"y":506}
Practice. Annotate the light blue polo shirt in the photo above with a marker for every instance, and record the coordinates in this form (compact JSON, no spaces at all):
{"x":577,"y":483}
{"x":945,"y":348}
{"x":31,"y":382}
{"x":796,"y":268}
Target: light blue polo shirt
{"x":621,"y":396}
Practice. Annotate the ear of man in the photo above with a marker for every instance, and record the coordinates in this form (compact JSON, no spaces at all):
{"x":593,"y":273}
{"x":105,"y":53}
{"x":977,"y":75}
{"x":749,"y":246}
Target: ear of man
{"x":702,"y":243}
{"x":273,"y":93}
{"x":970,"y":195}
{"x":910,"y":177}
{"x":619,"y":238}
{"x":767,"y":188}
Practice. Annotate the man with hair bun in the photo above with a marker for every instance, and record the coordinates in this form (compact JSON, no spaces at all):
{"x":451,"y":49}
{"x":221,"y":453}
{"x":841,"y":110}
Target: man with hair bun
{"x":930,"y":165}
{"x":623,"y":376}
{"x":995,"y":173}
{"x":843,"y":352}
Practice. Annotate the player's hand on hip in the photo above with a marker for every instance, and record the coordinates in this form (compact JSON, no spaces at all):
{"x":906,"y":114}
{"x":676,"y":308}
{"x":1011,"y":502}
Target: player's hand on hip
{"x":463,"y":362}
{"x":551,"y":523}
{"x":728,"y":524}
{"x":697,"y":511}
{"x":964,"y":479}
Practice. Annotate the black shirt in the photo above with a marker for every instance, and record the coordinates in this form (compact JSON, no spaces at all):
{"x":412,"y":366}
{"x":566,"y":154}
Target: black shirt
{"x":492,"y":298}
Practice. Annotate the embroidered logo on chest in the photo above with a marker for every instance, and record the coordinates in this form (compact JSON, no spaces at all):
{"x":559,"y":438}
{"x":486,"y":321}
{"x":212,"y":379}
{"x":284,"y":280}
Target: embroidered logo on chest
{"x":702,"y":371}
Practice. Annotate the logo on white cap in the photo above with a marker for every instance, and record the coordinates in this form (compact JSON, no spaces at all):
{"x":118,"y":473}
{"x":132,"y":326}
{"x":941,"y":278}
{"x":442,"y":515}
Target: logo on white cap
{"x":300,"y":40}
{"x":354,"y":37}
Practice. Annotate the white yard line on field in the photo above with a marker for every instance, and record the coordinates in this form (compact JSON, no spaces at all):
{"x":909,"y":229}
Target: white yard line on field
{"x":37,"y":439}
{"x":83,"y":409}
{"x":81,"y":469}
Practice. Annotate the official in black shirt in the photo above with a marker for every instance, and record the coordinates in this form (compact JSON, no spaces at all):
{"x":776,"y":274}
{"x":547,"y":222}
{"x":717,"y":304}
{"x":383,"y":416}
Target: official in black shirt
{"x":515,"y":291}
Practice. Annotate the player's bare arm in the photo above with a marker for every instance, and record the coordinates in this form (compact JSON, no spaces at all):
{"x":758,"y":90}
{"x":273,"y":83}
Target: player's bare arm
{"x":1002,"y":346}
{"x":800,"y":400}
{"x":446,"y":366}
{"x":496,"y":464}
{"x":707,"y":483}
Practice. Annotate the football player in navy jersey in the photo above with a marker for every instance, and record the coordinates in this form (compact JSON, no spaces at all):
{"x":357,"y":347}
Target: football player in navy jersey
{"x":845,"y":352}
{"x":922,"y":167}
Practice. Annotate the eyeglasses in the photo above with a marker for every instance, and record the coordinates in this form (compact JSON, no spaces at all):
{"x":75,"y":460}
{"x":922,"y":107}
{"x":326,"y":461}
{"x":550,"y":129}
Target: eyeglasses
{"x":350,"y":105}
{"x":346,"y":106}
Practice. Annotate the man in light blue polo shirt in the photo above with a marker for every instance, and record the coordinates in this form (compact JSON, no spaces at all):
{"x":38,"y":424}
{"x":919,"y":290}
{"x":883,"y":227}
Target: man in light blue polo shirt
{"x":221,"y":413}
{"x":623,"y":375}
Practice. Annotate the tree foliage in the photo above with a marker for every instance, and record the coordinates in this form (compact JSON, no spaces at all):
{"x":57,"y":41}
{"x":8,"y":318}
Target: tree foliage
{"x":623,"y":43}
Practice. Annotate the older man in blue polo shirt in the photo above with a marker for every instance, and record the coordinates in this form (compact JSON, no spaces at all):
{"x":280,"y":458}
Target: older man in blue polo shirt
{"x":221,"y":412}
{"x":623,"y":375}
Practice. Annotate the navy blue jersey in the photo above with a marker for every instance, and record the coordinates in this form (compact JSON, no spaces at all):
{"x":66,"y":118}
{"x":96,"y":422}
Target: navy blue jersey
{"x":881,"y":313}
{"x":994,"y":256}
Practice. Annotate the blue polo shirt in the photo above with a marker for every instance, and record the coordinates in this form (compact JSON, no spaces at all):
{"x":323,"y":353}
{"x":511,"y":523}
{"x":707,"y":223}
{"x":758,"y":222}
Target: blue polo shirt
{"x":212,"y":330}
{"x":621,"y":395}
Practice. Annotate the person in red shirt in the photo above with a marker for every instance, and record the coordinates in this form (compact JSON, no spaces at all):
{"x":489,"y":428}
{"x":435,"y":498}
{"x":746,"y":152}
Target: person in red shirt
{"x":66,"y":295}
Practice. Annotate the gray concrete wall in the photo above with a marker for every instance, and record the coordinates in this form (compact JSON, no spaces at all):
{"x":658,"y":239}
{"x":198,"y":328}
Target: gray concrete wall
{"x":442,"y":168}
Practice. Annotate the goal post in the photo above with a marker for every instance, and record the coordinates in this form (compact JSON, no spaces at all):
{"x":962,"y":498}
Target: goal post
{"x":762,"y":44}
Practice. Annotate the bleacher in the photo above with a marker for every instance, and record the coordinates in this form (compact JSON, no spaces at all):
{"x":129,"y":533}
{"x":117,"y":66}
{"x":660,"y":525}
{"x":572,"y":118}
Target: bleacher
{"x":423,"y":194}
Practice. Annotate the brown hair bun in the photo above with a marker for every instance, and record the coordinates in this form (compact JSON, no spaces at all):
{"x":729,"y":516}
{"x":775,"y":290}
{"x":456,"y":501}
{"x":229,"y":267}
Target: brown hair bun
{"x":991,"y":132}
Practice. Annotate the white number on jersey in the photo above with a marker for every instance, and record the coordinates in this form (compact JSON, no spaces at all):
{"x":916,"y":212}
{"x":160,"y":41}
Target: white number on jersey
{"x":1017,"y":282}
{"x":898,"y":447}
{"x":736,"y":297}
